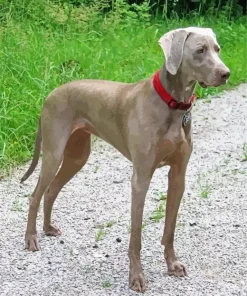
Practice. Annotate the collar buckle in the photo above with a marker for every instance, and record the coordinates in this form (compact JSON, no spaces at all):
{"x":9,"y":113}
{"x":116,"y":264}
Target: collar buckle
{"x":173,"y":104}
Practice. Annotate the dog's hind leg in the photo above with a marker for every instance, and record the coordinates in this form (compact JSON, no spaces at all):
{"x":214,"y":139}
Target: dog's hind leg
{"x":55,"y":134}
{"x":76,"y":154}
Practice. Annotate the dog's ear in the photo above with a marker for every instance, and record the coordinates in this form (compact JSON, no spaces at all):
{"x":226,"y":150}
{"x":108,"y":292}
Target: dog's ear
{"x":172,"y":44}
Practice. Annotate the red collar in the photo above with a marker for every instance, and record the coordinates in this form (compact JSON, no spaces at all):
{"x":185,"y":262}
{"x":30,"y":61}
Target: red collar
{"x":167,"y":98}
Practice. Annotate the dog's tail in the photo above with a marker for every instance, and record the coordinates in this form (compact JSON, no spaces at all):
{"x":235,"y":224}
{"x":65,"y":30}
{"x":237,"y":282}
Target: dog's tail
{"x":36,"y":154}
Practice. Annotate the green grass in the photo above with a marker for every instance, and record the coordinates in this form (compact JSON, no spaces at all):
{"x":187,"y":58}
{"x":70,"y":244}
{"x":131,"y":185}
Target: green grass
{"x":100,"y":234}
{"x":106,"y":284}
{"x":119,"y":47}
{"x":245,"y":151}
{"x":205,"y":188}
{"x":110,"y":223}
{"x":158,"y":213}
{"x":205,"y":192}
{"x":17,"y":205}
{"x":101,"y":231}
{"x":160,"y":195}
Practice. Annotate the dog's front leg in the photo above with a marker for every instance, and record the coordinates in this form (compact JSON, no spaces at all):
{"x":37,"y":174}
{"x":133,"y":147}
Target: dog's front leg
{"x":176,"y":186}
{"x":139,"y":184}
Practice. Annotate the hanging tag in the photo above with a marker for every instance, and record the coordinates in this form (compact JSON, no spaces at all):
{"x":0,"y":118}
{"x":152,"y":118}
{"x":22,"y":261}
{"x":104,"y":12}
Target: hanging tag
{"x":186,"y":119}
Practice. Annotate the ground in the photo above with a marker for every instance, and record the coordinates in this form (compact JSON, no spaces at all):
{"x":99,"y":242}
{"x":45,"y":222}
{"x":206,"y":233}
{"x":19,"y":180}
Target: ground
{"x":94,"y":209}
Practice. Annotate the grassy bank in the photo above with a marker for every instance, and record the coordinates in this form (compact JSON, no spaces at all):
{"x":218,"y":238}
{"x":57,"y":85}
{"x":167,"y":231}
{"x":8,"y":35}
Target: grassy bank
{"x":123,"y":48}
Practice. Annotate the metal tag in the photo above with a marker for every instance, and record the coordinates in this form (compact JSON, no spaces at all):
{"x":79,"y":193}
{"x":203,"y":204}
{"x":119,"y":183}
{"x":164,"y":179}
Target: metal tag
{"x":186,"y":119}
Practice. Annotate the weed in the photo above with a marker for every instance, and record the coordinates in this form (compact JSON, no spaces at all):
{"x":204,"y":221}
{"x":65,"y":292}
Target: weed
{"x":101,"y":226}
{"x":101,"y":230}
{"x":17,"y":205}
{"x":245,"y":151}
{"x":205,"y":191}
{"x":110,"y":223}
{"x":204,"y":187}
{"x":144,"y":224}
{"x":160,"y":195}
{"x":158,"y":213}
{"x":226,"y":161}
{"x":99,"y":235}
{"x":106,"y":284}
{"x":96,"y":168}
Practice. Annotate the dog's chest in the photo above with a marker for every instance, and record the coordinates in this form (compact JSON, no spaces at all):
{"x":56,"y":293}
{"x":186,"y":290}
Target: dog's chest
{"x":169,"y":152}
{"x":172,"y":146}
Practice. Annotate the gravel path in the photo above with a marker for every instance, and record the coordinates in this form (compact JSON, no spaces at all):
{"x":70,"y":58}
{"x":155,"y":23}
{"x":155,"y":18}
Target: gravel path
{"x":211,"y":234}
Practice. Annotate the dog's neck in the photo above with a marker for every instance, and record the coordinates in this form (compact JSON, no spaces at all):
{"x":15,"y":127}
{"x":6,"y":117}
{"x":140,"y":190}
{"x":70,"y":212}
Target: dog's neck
{"x":178,"y":85}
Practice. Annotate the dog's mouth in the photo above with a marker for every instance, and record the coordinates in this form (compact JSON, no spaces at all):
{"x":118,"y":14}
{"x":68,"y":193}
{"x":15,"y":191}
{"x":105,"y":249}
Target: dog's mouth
{"x":202,"y":84}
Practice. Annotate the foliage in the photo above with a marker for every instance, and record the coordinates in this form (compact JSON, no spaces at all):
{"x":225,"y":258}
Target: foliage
{"x":46,"y":43}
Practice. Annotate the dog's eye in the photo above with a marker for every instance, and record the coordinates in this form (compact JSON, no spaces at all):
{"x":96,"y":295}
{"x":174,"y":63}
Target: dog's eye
{"x":201,"y":50}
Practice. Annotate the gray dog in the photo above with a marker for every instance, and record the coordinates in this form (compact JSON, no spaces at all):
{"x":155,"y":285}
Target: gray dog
{"x":148,"y":122}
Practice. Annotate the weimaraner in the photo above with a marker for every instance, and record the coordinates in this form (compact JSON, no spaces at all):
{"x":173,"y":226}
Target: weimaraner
{"x":149,"y":122}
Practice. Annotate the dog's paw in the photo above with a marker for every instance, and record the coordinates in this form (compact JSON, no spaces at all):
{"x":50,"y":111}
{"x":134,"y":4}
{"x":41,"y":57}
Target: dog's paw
{"x":52,"y":230}
{"x":177,"y":269}
{"x":137,"y":282}
{"x":31,"y":242}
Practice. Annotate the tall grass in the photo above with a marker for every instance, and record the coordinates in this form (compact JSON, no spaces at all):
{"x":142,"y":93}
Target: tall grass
{"x":38,"y":41}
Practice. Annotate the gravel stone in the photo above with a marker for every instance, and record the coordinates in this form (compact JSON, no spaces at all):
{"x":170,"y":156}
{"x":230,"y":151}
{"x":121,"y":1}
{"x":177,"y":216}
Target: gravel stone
{"x":214,"y":250}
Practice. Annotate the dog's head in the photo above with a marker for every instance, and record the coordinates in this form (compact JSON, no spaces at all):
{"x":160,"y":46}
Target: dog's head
{"x":195,"y":52}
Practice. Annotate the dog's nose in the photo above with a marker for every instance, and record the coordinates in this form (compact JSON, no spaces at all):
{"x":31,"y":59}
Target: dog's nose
{"x":225,"y":74}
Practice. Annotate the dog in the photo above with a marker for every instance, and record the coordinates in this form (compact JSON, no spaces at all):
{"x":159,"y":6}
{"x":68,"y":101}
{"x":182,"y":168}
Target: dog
{"x":148,"y":122}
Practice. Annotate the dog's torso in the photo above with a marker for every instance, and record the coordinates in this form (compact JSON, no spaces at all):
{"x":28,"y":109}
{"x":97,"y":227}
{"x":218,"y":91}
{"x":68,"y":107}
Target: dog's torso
{"x":155,"y":129}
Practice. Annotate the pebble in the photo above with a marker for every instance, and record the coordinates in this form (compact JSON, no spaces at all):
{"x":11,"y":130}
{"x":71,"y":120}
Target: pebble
{"x":215,"y":256}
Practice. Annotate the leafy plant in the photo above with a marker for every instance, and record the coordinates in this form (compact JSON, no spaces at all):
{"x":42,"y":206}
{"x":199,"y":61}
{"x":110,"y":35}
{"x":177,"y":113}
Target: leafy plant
{"x":245,"y":151}
{"x":100,"y":233}
{"x":205,"y":191}
{"x":38,"y":37}
{"x":106,"y":284}
{"x":204,"y":187}
{"x":110,"y":223}
{"x":158,"y":213}
{"x":160,"y":195}
{"x":17,"y":205}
